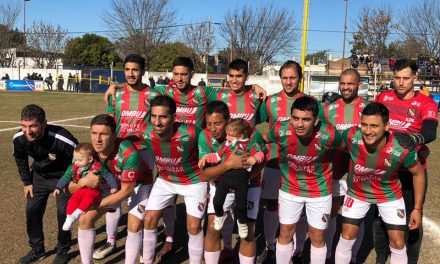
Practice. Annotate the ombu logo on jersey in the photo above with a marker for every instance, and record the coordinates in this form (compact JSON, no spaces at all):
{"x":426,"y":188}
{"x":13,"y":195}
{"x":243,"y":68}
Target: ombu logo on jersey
{"x":362,"y":173}
{"x":186,"y":114}
{"x":301,"y":162}
{"x":172,"y":165}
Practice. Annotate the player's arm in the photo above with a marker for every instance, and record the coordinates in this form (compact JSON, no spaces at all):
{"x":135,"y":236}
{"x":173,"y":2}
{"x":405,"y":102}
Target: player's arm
{"x":234,"y":162}
{"x":111,"y":90}
{"x":115,"y":198}
{"x":419,"y":192}
{"x":22,"y":162}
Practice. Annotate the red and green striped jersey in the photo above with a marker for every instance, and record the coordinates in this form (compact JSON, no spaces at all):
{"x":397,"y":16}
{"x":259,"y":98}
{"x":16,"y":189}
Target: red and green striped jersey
{"x":373,"y":177}
{"x":131,"y":111}
{"x":209,"y":144}
{"x":306,"y":168}
{"x":245,"y":105}
{"x":343,"y":116}
{"x":177,"y":158}
{"x":191,"y":105}
{"x":125,"y":164}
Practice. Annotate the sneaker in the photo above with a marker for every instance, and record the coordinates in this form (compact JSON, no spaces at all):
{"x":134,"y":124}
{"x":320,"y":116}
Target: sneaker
{"x":141,"y":259}
{"x":60,"y":258}
{"x":267,"y":256}
{"x":242,"y":229}
{"x":225,"y":255}
{"x":68,"y":224}
{"x":219,"y":221}
{"x":104,"y":251}
{"x":165,"y":251}
{"x":32,"y":257}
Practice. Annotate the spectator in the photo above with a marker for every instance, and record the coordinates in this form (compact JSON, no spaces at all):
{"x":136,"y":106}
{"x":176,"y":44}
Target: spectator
{"x":60,"y":83}
{"x":166,"y":80}
{"x":160,"y":80}
{"x":354,"y":61}
{"x":361,"y":59}
{"x":70,"y":82}
{"x":77,"y":82}
{"x":27,"y":77}
{"x":391,"y":62}
{"x":330,"y":97}
{"x":202,"y":83}
{"x":39,"y":77}
{"x":6,"y":77}
{"x":152,"y":82}
{"x":424,"y":89}
{"x":49,"y":81}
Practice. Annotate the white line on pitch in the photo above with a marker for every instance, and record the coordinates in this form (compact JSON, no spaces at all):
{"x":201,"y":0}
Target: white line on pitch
{"x":431,"y":227}
{"x":15,"y":122}
{"x":76,"y":126}
{"x":53,"y":122}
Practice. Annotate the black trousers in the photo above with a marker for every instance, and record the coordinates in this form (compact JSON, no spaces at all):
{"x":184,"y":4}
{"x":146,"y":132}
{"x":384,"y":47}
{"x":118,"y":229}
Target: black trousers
{"x":35,"y":208}
{"x":236,"y":180}
{"x":413,"y":238}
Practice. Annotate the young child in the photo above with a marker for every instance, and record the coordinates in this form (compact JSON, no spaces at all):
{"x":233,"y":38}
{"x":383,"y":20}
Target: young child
{"x":84,"y":198}
{"x":237,"y":141}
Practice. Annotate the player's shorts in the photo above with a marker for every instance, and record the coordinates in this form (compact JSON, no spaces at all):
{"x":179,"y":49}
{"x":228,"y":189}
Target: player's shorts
{"x":164,"y":192}
{"x":392,"y":213}
{"x":137,"y":202}
{"x":270,"y":185}
{"x":339,"y":187}
{"x":317,"y":209}
{"x":253,"y":198}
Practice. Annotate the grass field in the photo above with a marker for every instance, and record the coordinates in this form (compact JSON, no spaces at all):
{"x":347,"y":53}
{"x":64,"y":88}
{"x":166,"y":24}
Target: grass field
{"x":74,"y":112}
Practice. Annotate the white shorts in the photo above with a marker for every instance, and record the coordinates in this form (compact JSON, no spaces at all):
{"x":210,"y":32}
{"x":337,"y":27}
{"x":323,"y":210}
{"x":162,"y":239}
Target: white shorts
{"x":253,"y":198}
{"x":317,"y":209}
{"x":392,"y":213}
{"x":339,"y":188}
{"x":163,"y":193}
{"x":137,"y":202}
{"x":270,"y":185}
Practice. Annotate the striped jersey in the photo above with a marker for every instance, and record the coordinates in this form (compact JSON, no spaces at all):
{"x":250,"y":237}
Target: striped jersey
{"x":209,"y":144}
{"x":125,"y":164}
{"x":177,"y":158}
{"x":306,"y":168}
{"x":191,"y":105}
{"x":343,"y":116}
{"x":373,"y":177}
{"x":408,"y":115}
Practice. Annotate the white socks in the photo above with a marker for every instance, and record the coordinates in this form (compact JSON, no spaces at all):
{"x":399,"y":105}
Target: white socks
{"x":246,"y":260}
{"x":284,"y":253}
{"x":149,"y":247}
{"x":398,"y":256}
{"x":343,"y":251}
{"x":271,"y":222}
{"x":86,"y":240}
{"x":111,"y":225}
{"x":195,"y":248}
{"x":212,"y":257}
{"x":318,"y":255}
{"x":132,"y":247}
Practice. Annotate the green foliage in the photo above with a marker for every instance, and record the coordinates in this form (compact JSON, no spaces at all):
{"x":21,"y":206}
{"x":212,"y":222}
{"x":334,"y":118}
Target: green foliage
{"x":91,"y":50}
{"x":165,"y":53}
{"x":317,"y":57}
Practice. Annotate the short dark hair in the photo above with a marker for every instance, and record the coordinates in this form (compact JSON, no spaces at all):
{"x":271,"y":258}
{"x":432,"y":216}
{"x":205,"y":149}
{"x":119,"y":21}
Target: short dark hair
{"x":351,"y":72}
{"x":163,"y":100}
{"x":306,"y":103}
{"x":104,"y":120}
{"x":32,"y":111}
{"x":403,"y":63}
{"x":239,"y":64}
{"x":294,"y":65}
{"x":239,"y":126}
{"x":184,"y":61}
{"x":377,"y":109}
{"x":218,"y":107}
{"x":136,"y":58}
{"x":85,"y":147}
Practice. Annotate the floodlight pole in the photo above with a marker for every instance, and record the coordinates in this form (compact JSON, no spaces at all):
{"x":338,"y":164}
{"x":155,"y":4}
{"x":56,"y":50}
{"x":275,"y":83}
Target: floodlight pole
{"x":304,"y":39}
{"x":24,"y":31}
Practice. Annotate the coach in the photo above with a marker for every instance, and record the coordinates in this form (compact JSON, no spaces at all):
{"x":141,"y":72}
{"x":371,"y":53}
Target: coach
{"x":51,"y":148}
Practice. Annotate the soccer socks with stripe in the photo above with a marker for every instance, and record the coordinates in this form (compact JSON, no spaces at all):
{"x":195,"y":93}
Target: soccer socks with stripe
{"x":284,"y":253}
{"x":86,"y":240}
{"x":227,"y":230}
{"x":169,"y":217}
{"x":398,"y":256}
{"x":318,"y":255}
{"x":195,"y":248}
{"x":343,"y":251}
{"x":329,"y":234}
{"x":149,"y":247}
{"x":271,"y":222}
{"x":246,"y":260}
{"x":111,"y":225}
{"x":212,"y":257}
{"x":133,"y":246}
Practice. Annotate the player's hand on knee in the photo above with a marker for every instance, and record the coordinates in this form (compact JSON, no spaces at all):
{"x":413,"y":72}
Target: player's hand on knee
{"x":28,"y":191}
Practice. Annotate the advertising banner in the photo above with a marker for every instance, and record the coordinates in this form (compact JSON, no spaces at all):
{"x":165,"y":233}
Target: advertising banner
{"x":24,"y":85}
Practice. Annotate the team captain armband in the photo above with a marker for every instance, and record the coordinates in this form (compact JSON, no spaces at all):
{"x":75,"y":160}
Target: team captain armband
{"x":129,"y":176}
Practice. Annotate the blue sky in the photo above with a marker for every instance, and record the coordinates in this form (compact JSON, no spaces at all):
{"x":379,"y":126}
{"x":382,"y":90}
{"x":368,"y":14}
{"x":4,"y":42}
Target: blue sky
{"x":326,"y":17}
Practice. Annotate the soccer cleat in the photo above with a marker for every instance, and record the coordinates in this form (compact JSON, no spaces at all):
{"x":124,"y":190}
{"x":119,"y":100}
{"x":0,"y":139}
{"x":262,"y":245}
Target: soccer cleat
{"x":267,"y":256}
{"x":219,"y":221}
{"x":242,"y":229}
{"x":68,"y":224}
{"x":60,"y":258}
{"x":32,"y":256}
{"x":104,"y":251}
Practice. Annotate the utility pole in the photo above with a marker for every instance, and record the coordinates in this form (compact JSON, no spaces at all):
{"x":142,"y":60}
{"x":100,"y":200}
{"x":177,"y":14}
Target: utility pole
{"x":207,"y":46}
{"x":24,"y":32}
{"x":345,"y":33}
{"x":304,"y":38}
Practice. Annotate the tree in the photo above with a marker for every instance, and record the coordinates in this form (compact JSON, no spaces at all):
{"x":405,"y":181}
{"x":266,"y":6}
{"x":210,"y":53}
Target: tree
{"x":90,"y":49}
{"x":46,"y":43}
{"x":373,"y":26}
{"x":165,"y":54}
{"x":420,"y":23}
{"x":198,"y":37}
{"x":318,"y":57}
{"x":138,"y":26}
{"x":10,"y":38}
{"x":258,"y":35}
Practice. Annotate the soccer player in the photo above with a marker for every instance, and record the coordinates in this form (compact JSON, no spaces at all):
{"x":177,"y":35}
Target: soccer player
{"x":376,"y":158}
{"x":344,"y":113}
{"x":305,"y":146}
{"x":51,"y":148}
{"x":415,"y":117}
{"x":174,"y":147}
{"x":210,"y":140}
{"x":123,"y":159}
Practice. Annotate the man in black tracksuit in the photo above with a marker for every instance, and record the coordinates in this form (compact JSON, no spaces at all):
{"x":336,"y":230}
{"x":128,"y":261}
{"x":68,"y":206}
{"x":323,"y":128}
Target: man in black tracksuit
{"x":51,"y":148}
